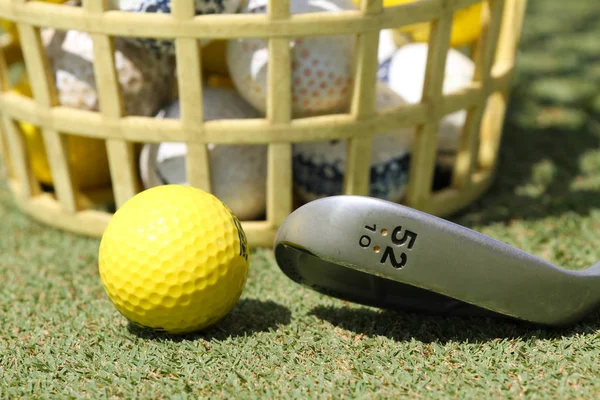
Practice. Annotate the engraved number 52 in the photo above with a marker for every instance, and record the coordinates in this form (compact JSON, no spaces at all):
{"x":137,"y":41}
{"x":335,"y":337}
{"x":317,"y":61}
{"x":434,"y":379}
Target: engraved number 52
{"x":409,"y":236}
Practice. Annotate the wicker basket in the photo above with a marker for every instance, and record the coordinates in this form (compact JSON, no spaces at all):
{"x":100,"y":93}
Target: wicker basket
{"x":66,"y":208}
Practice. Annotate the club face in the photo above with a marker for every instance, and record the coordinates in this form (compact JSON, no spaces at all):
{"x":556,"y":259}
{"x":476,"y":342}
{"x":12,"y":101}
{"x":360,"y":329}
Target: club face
{"x":351,"y":284}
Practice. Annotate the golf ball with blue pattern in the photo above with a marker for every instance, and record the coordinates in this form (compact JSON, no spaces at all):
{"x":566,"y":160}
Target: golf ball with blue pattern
{"x":319,"y":166}
{"x":203,"y":7}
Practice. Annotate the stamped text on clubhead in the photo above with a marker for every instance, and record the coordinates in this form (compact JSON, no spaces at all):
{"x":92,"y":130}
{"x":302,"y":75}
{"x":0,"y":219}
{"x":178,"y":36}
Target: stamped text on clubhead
{"x":383,"y":254}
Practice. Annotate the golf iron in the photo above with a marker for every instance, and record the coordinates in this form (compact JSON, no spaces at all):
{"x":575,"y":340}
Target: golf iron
{"x":382,"y":254}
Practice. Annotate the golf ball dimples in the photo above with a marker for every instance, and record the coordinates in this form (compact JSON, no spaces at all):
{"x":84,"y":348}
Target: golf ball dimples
{"x":318,"y":167}
{"x":321,"y":66}
{"x":174,"y":259}
{"x":202,"y":7}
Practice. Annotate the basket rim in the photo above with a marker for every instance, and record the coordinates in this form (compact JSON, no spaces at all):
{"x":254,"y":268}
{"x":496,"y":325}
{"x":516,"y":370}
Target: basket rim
{"x":225,"y":26}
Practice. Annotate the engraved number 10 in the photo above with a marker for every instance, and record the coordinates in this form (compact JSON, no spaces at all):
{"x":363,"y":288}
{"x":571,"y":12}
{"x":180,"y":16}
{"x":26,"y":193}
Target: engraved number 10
{"x":399,"y":239}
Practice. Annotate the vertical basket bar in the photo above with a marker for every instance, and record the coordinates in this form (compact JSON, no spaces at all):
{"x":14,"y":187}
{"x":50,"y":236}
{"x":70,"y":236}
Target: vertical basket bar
{"x":189,"y":71}
{"x":426,"y":136}
{"x":121,"y":153}
{"x":4,"y":153}
{"x":468,"y":152}
{"x":493,"y":119}
{"x":42,"y":86}
{"x":279,"y":111}
{"x":29,"y":187}
{"x":4,"y":86}
{"x":358,"y":158}
{"x":510,"y":31}
{"x":4,"y":76}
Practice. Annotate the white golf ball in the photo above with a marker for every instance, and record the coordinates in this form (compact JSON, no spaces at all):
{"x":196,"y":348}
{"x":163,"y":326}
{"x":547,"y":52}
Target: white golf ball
{"x":238,"y":172}
{"x":319,"y":167}
{"x":146,"y":79}
{"x":404,"y":72}
{"x":202,"y":7}
{"x":322,"y":66}
{"x":387,"y":45}
{"x":301,"y":6}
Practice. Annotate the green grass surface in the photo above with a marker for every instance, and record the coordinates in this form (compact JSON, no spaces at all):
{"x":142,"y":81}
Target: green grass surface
{"x":61,"y":337}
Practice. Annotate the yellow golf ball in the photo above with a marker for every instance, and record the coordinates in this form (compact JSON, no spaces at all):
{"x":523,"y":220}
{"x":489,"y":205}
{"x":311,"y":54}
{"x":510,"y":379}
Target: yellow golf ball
{"x":174,"y":259}
{"x":214,"y":58}
{"x":87,"y":157}
{"x":466,"y":27}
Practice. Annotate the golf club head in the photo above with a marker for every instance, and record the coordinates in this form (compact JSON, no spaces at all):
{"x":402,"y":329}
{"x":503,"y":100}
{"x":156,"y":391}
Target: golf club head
{"x":382,"y":254}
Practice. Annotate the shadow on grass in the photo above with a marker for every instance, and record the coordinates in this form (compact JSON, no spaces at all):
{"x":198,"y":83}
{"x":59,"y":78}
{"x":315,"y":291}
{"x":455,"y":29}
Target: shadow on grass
{"x":249,"y":316}
{"x":519,"y":192}
{"x":425,"y":328}
{"x":550,"y":125}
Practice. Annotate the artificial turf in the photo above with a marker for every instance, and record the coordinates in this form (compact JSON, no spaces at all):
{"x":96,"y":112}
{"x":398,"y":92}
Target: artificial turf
{"x":61,"y":337}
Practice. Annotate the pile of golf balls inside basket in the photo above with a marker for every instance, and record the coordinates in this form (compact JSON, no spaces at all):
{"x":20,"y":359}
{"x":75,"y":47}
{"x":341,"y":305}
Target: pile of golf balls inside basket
{"x":235,"y":87}
{"x":322,"y":83}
